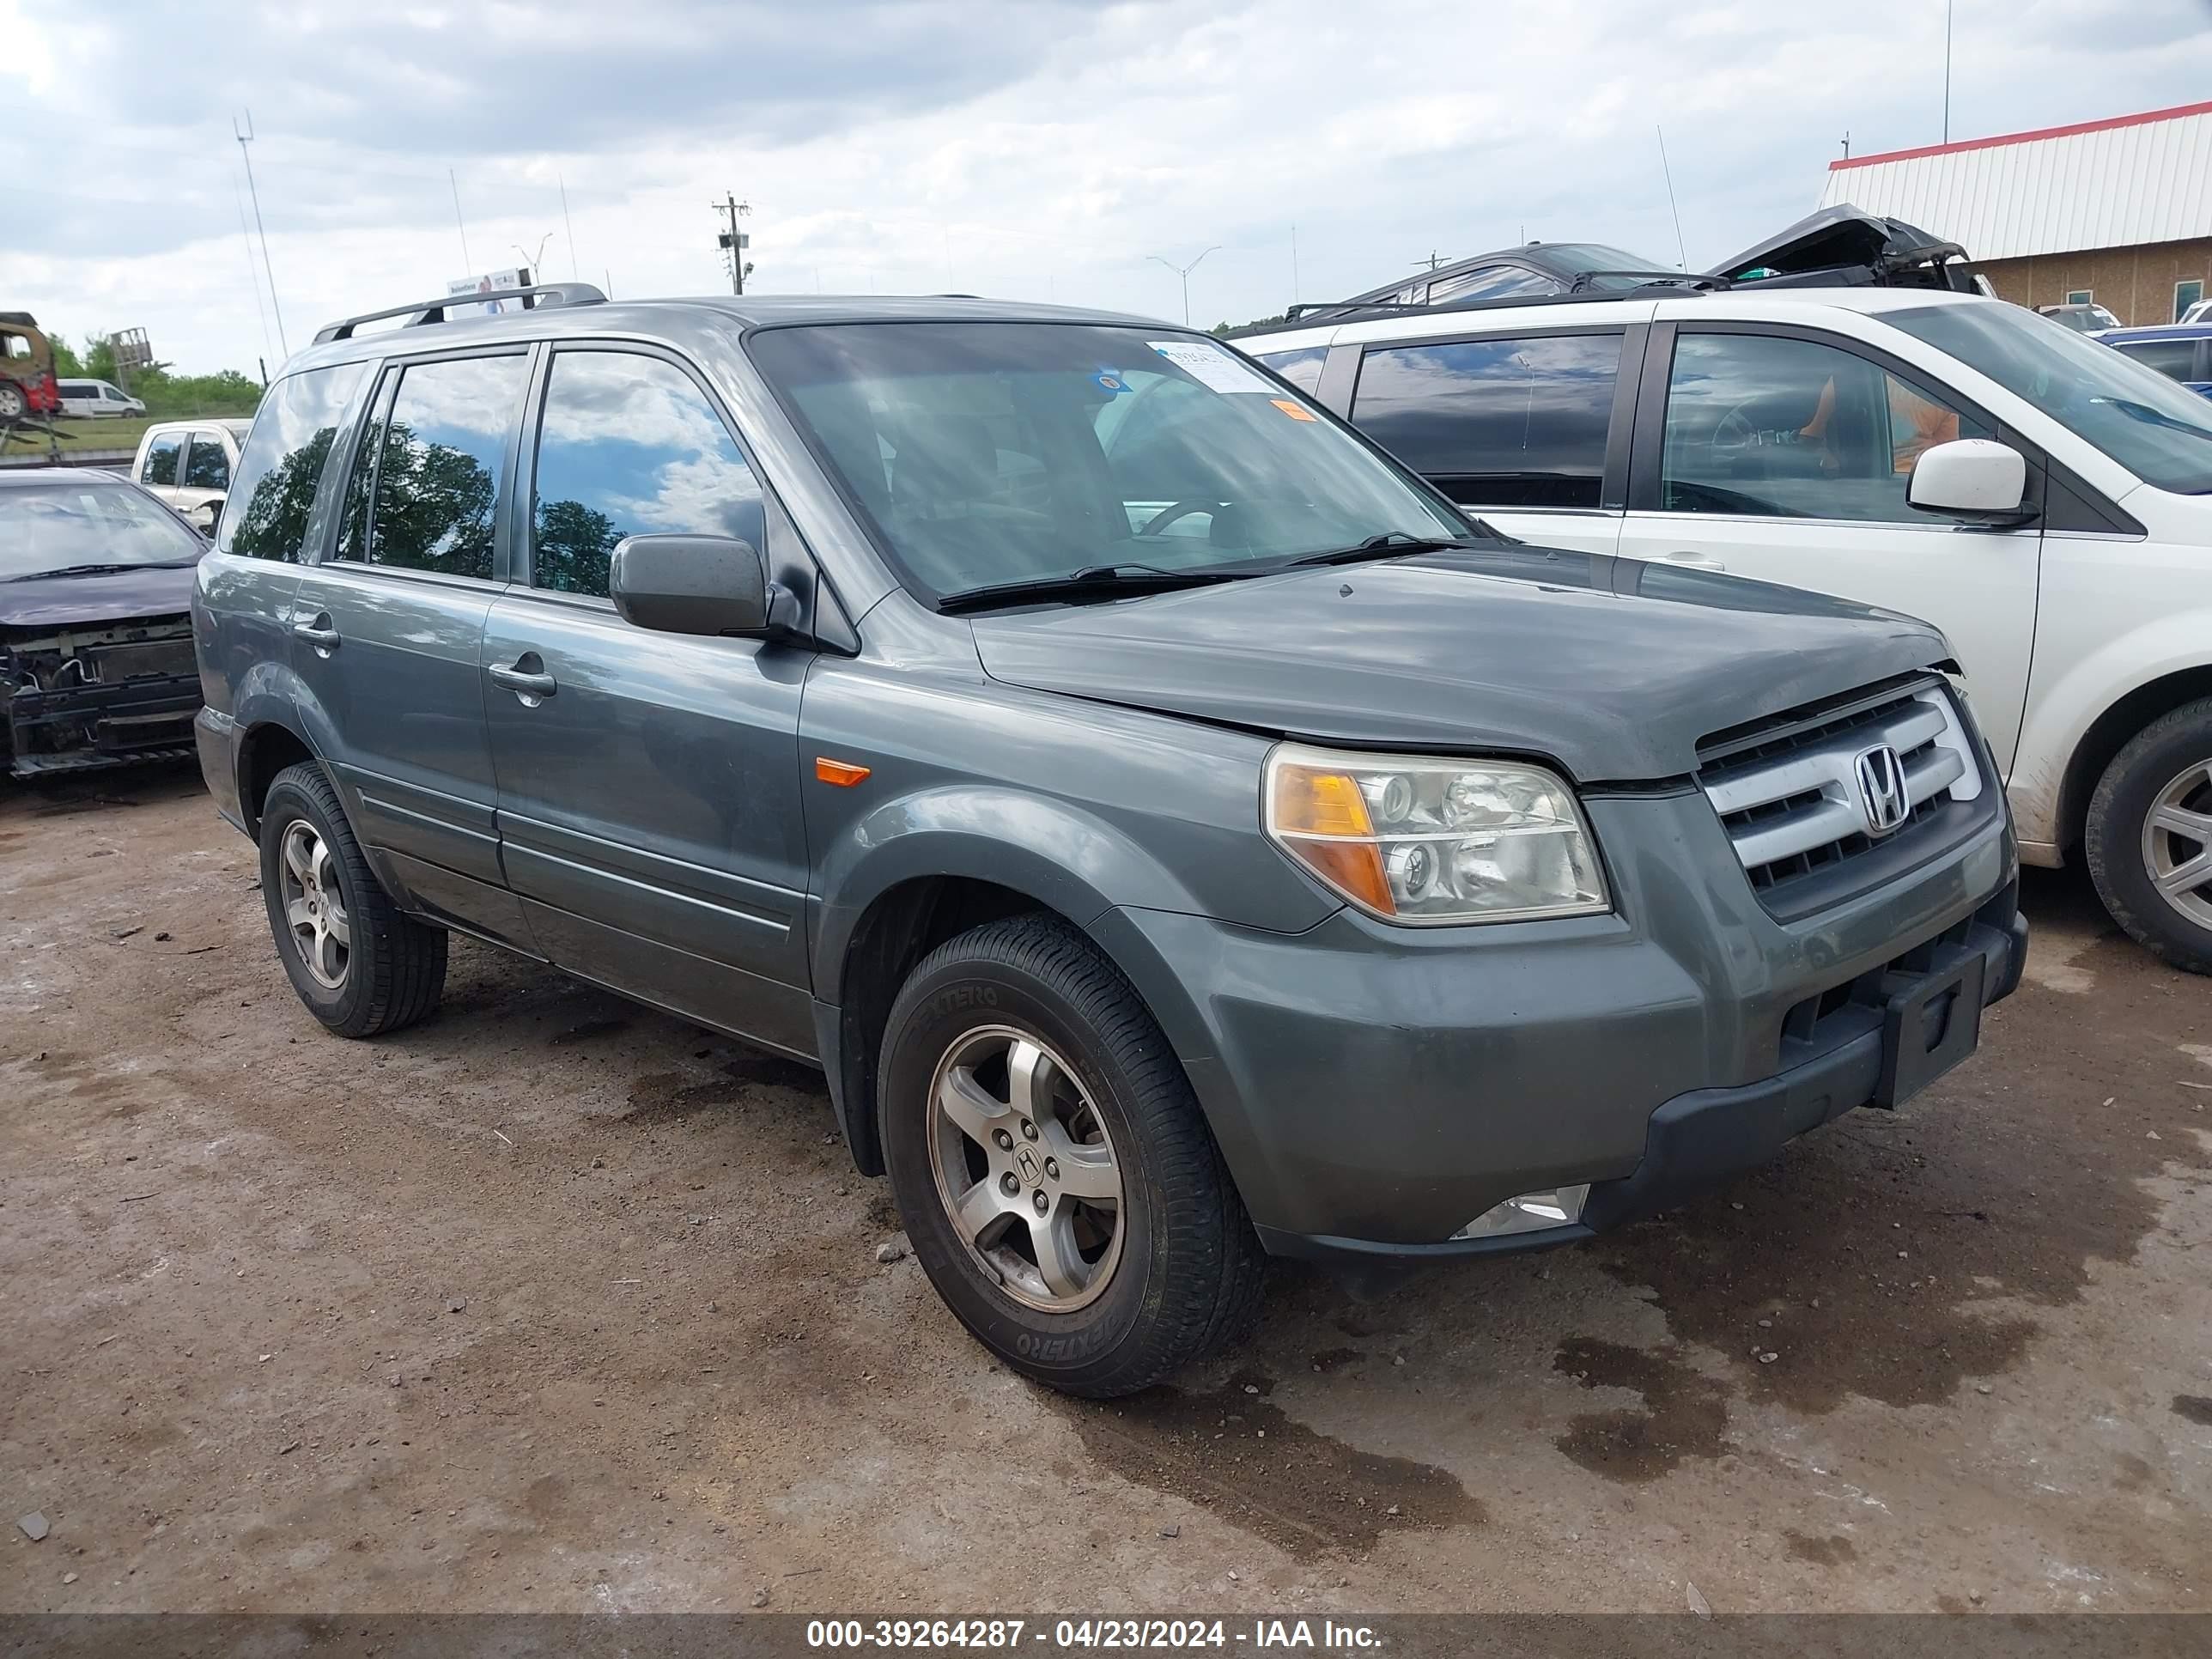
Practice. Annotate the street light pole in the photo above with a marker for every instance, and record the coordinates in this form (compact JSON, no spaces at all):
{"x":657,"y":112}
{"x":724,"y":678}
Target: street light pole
{"x":1183,"y":271}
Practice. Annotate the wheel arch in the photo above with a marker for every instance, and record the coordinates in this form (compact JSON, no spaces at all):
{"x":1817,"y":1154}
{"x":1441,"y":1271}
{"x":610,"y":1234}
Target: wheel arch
{"x":277,"y":725}
{"x":2110,"y":732}
{"x":902,"y":882}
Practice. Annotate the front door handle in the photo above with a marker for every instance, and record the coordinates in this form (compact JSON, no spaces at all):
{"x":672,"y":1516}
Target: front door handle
{"x":1692,"y":561}
{"x":319,"y":633}
{"x":527,"y":677}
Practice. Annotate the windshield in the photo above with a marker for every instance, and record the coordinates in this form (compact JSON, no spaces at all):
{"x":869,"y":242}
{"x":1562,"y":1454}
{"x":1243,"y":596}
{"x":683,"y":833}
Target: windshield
{"x":58,"y":526}
{"x":2150,"y":425}
{"x":1627,"y":270}
{"x":981,"y":453}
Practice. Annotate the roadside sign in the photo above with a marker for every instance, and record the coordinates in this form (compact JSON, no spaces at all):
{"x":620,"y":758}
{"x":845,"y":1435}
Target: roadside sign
{"x":491,"y":282}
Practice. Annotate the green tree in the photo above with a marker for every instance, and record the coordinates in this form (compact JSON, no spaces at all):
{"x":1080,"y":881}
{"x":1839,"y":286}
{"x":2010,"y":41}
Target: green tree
{"x":433,"y":506}
{"x":274,"y":524}
{"x":575,"y":545}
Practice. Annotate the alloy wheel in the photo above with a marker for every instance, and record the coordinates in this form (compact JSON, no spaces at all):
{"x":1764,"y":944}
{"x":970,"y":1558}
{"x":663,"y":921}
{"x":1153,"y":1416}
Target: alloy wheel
{"x":2176,"y":843}
{"x":314,"y":910}
{"x":1026,"y":1169}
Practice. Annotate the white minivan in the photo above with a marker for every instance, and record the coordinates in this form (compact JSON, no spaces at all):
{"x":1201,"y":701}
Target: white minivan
{"x":2042,"y":498}
{"x":89,"y":400}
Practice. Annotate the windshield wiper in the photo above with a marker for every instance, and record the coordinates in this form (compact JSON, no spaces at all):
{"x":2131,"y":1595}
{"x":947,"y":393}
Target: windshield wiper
{"x":1091,"y":582}
{"x":86,"y":570}
{"x":1390,"y":544}
{"x":2149,"y":416}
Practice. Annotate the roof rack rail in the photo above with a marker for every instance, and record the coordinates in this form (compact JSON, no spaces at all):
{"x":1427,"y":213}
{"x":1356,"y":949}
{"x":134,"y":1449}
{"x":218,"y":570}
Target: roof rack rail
{"x":538,"y":296}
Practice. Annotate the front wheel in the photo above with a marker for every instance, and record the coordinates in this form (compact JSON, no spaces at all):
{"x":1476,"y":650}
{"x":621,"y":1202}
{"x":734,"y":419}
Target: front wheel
{"x":11,"y":402}
{"x":1053,"y":1168}
{"x":2148,"y":839}
{"x":361,"y":964}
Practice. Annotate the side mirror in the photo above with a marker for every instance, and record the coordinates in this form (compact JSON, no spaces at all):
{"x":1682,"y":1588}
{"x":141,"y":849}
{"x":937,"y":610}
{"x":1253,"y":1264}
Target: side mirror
{"x":1976,"y":480}
{"x":714,"y":585}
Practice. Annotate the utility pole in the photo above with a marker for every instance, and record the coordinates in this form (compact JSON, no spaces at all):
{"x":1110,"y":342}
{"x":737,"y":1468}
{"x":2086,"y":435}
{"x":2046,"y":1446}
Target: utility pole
{"x":1434,"y":259}
{"x":244,"y":139}
{"x":733,"y":242}
{"x":1295,"y":296}
{"x":1184,"y":272}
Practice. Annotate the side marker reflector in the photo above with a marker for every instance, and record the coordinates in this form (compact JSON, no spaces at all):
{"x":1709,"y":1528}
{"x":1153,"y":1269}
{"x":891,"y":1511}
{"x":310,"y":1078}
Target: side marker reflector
{"x":843,"y":773}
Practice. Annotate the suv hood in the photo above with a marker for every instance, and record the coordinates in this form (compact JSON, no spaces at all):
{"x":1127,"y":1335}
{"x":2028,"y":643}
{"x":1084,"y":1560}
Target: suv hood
{"x":1844,"y":246}
{"x":1612,"y":668}
{"x":57,"y":601}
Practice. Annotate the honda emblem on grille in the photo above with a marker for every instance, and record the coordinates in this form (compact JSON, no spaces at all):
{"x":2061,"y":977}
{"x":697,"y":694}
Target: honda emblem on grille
{"x":1882,"y":790}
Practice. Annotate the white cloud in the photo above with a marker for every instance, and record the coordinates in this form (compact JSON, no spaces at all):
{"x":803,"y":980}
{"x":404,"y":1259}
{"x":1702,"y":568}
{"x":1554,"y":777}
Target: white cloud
{"x":1022,"y":150}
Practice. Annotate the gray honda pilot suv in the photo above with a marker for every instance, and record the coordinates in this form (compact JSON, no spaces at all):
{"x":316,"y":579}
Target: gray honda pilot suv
{"x":1178,"y":833}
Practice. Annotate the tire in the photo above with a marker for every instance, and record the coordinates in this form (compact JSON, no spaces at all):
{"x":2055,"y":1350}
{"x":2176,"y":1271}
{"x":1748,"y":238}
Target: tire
{"x":364,"y":967}
{"x":1166,"y":1275}
{"x":12,"y":403}
{"x":2157,"y":791}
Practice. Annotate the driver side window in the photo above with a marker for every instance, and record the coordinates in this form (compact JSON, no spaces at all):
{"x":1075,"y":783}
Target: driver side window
{"x":1771,"y":427}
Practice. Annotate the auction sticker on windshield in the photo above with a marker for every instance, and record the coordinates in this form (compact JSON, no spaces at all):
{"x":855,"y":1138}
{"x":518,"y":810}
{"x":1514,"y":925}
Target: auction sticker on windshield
{"x":1213,"y":367}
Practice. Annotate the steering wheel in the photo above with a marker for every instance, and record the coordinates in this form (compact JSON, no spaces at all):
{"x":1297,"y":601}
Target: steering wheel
{"x":1159,"y":522}
{"x":1733,"y":435}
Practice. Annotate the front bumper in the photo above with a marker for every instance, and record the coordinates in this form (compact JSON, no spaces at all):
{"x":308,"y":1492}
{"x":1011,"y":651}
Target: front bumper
{"x":81,"y":728}
{"x":1374,"y":1089}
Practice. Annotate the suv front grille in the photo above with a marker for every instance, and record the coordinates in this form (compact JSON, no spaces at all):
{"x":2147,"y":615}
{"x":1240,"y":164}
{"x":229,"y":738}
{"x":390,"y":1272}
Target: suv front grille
{"x":1788,"y":792}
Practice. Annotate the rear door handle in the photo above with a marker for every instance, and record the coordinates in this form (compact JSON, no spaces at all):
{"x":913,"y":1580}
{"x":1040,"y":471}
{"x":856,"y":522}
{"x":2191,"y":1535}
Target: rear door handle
{"x":318,"y":633}
{"x":525,"y":677}
{"x":1692,"y":561}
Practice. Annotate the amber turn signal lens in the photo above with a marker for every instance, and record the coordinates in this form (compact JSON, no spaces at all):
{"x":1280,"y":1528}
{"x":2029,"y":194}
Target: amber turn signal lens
{"x":1310,"y":803}
{"x":843,"y":773}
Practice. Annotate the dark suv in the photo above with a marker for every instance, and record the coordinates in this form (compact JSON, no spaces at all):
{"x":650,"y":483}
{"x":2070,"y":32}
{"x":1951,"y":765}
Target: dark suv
{"x":1177,"y":836}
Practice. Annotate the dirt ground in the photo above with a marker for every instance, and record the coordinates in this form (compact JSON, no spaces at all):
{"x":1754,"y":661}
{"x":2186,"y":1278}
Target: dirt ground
{"x":556,"y":1303}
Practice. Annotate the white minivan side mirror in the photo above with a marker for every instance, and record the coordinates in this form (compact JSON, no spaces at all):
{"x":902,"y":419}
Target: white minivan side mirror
{"x":1976,"y":479}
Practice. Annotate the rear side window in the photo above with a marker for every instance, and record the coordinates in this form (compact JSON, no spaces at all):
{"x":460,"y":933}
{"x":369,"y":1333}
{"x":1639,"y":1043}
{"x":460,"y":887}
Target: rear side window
{"x":161,"y":458}
{"x":273,"y":490}
{"x":206,"y":467}
{"x":1499,"y":422}
{"x":1302,"y":367}
{"x":630,"y":446}
{"x":432,"y":461}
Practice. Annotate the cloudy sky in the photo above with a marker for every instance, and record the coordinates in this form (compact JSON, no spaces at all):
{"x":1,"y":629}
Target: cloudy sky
{"x":1031,"y":149}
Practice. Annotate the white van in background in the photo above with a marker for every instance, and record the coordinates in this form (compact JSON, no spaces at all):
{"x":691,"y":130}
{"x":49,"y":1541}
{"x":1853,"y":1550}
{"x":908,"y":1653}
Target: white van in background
{"x":88,"y":400}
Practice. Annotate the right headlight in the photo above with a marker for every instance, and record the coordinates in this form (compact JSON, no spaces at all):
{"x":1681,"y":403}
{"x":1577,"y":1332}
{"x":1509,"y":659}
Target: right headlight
{"x":1430,"y":840}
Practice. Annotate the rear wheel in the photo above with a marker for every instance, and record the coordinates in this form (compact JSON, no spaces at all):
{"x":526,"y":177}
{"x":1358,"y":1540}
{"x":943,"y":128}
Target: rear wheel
{"x":362,"y":966}
{"x":2148,"y":839}
{"x":11,"y":401}
{"x":1052,"y":1165}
